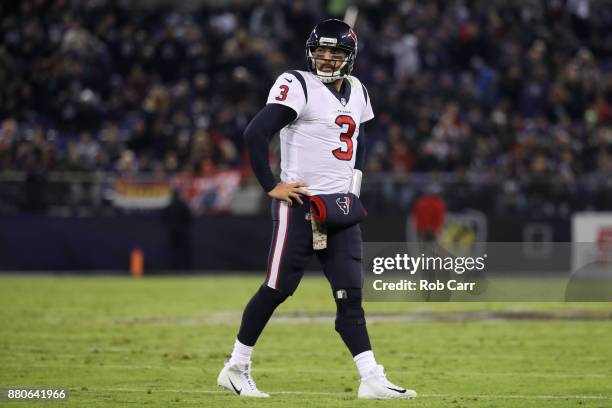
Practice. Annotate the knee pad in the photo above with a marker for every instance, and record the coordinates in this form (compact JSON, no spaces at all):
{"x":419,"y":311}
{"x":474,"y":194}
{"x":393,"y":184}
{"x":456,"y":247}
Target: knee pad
{"x":271,"y":296}
{"x":349,"y":312}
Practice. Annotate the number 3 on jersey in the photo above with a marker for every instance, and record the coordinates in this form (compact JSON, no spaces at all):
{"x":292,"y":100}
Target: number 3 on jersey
{"x":283,"y":95}
{"x":346,"y":137}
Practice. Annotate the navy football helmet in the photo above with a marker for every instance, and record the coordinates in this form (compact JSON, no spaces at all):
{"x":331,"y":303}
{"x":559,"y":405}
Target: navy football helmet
{"x":334,"y":34}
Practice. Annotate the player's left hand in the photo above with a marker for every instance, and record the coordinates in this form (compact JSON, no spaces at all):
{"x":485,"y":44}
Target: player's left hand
{"x":289,"y":191}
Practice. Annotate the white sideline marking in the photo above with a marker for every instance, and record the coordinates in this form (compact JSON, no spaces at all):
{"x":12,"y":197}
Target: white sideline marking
{"x":490,"y":396}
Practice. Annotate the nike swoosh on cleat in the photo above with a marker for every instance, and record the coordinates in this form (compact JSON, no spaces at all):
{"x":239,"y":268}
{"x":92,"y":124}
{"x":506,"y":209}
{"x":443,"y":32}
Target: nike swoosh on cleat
{"x":392,"y":389}
{"x":288,"y":80}
{"x":234,"y":387}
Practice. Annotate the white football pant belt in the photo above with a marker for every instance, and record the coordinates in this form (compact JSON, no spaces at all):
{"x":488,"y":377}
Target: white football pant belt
{"x":355,"y":186}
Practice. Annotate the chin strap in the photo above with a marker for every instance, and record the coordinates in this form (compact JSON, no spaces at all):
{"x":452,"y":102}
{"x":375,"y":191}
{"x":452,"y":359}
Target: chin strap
{"x":327,"y":78}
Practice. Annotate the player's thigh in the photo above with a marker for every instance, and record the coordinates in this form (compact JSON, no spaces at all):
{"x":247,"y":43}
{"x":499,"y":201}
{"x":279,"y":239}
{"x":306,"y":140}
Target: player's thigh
{"x":291,"y":246}
{"x":341,"y":260}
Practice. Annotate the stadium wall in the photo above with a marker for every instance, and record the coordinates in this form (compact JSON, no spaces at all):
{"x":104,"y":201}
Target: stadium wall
{"x":43,"y":243}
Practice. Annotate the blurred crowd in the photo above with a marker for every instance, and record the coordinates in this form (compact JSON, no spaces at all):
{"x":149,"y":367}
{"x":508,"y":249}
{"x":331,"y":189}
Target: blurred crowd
{"x":514,"y":90}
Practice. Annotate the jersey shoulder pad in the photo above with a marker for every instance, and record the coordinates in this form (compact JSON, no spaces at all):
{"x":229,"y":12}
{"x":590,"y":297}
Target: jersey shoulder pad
{"x":299,"y":75}
{"x":357,"y":84}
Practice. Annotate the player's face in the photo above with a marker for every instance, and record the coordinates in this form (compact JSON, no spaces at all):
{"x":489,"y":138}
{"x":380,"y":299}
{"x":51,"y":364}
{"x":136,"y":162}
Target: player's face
{"x":328,"y":59}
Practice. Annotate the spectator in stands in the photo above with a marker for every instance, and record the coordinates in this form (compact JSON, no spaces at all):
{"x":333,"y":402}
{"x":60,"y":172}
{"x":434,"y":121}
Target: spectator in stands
{"x":473,"y":87}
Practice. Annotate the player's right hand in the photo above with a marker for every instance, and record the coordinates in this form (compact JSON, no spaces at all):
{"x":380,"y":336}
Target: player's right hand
{"x":288,"y":191}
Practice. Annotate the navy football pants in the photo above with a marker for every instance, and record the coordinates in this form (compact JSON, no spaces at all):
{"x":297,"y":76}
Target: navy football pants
{"x":291,"y":251}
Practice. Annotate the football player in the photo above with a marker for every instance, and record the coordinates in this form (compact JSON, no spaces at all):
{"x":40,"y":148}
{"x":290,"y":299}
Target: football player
{"x":320,"y":115}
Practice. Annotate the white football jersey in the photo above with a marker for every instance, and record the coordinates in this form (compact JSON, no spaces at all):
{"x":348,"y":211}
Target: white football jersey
{"x":319,"y":146}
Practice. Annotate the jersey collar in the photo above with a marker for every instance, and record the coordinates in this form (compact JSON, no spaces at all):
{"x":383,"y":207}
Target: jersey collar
{"x":345,"y":91}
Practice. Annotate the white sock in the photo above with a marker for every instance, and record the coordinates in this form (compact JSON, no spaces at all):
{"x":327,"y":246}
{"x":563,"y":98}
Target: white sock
{"x":241,"y":354}
{"x":365,"y":362}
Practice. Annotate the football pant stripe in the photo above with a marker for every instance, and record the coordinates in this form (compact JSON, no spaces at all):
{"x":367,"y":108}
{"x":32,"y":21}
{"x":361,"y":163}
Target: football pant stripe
{"x":279,"y":245}
{"x":275,"y":209}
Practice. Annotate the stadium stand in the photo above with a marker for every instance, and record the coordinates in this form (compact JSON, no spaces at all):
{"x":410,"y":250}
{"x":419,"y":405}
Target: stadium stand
{"x":508,"y":98}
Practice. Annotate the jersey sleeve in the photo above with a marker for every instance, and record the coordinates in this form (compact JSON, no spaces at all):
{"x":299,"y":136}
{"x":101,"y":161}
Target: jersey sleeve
{"x":288,"y":90}
{"x":368,"y":112}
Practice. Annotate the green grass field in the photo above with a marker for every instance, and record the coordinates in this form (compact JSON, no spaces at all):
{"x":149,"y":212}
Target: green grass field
{"x":160,"y":342}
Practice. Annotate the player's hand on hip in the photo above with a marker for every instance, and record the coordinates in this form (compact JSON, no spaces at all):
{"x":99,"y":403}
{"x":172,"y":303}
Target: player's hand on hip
{"x":288,"y":191}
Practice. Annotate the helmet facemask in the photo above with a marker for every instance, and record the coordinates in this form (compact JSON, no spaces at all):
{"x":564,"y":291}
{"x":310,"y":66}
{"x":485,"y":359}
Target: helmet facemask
{"x":341,"y":68}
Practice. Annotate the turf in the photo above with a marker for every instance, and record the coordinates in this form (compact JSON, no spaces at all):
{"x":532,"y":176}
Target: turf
{"x":160,"y":342}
